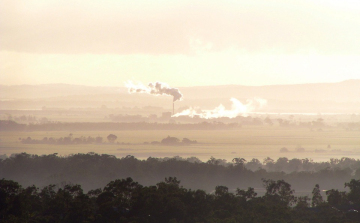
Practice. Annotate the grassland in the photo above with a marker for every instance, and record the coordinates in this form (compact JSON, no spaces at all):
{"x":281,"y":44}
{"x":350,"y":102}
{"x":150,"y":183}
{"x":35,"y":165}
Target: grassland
{"x":247,"y":142}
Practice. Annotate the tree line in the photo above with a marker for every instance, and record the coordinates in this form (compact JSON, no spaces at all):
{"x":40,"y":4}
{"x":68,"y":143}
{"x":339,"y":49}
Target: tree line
{"x":95,"y":170}
{"x":69,"y":140}
{"x":124,"y":200}
{"x":8,"y":125}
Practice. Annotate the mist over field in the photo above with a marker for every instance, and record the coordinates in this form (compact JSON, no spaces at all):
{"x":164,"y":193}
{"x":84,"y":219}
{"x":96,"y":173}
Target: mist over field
{"x":297,"y":144}
{"x":180,"y":111}
{"x":295,"y":124}
{"x":322,"y":119}
{"x":267,"y":142}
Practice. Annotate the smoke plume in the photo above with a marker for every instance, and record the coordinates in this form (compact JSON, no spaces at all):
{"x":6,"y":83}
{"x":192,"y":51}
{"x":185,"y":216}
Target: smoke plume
{"x":237,"y":108}
{"x":156,"y":88}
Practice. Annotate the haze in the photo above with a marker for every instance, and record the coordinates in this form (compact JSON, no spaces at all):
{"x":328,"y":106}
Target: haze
{"x":180,"y":111}
{"x":182,"y":43}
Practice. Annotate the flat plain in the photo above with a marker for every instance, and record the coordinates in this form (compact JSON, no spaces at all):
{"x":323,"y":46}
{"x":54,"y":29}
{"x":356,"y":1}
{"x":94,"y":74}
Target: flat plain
{"x":247,"y":142}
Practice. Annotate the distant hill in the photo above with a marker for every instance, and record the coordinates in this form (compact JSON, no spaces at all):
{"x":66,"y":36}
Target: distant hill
{"x":342,"y":92}
{"x":320,"y":97}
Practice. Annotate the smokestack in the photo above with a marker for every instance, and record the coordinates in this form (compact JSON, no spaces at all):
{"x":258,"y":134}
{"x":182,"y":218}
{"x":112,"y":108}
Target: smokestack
{"x":156,"y":88}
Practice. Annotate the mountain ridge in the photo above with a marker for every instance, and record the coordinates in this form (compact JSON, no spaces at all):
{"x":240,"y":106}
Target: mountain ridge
{"x":348,"y":90}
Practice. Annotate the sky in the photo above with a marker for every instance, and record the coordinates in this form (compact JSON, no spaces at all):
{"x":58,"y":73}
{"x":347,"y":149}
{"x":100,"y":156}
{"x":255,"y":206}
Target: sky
{"x":182,"y":43}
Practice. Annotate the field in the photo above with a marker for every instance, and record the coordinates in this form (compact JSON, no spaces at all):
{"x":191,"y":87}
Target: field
{"x":247,"y":142}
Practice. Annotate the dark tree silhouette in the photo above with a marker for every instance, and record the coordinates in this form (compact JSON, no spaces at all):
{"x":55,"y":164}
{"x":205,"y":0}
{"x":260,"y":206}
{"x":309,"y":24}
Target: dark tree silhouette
{"x":124,"y":200}
{"x":280,"y":189}
{"x":111,"y":138}
{"x":248,"y":194}
{"x":316,"y":196}
{"x":354,"y":194}
{"x":170,"y":140}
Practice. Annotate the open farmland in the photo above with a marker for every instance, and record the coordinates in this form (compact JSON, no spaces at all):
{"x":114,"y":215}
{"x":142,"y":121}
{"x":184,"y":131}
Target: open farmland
{"x":246,"y":142}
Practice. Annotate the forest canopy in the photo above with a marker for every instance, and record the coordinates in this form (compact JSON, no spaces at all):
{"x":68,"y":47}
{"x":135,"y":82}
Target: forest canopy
{"x":95,"y":170}
{"x":125,"y":200}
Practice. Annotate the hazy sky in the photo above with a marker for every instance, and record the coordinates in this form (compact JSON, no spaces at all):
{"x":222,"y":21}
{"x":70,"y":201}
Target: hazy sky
{"x":183,"y":43}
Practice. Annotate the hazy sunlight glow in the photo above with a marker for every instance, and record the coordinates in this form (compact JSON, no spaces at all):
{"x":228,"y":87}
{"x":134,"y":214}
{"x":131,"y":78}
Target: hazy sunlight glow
{"x":183,"y":43}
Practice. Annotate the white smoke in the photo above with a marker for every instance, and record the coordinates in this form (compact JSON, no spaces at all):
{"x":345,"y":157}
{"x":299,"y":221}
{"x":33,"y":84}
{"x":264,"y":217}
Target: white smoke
{"x":156,"y":88}
{"x":237,"y":108}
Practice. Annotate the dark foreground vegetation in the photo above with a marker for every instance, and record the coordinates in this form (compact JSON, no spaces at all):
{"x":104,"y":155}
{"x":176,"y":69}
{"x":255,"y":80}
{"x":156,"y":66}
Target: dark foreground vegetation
{"x":124,"y":200}
{"x":93,"y":170}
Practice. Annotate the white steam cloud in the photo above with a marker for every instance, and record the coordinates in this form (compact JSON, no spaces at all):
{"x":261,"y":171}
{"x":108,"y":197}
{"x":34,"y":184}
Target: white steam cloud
{"x":156,"y":88}
{"x":237,"y":108}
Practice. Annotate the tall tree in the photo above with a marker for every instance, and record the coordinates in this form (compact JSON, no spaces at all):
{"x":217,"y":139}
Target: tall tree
{"x":280,"y":189}
{"x":354,"y":194}
{"x":316,"y":196}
